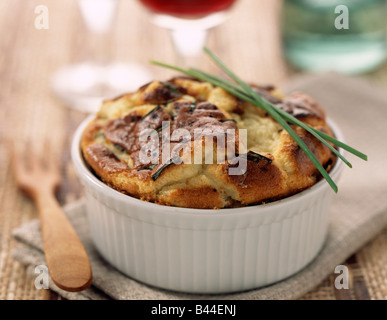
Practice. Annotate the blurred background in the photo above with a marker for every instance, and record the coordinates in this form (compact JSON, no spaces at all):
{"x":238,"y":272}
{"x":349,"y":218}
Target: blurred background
{"x":266,"y":42}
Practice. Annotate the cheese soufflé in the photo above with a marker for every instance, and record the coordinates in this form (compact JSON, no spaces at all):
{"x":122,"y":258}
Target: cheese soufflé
{"x":187,"y":143}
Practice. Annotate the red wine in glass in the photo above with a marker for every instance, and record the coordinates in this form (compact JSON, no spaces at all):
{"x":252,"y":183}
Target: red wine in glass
{"x":188,"y":22}
{"x":195,"y":8}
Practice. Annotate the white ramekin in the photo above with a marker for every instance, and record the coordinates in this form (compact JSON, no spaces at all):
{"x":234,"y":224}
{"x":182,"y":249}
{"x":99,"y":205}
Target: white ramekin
{"x":205,"y":251}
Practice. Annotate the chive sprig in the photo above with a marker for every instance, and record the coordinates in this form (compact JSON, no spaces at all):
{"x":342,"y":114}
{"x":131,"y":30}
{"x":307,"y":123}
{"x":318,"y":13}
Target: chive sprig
{"x":242,"y":90}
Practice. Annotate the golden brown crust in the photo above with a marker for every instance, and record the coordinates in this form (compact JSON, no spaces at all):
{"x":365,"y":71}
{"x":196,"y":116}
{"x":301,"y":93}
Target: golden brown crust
{"x":111,"y":145}
{"x":201,"y":198}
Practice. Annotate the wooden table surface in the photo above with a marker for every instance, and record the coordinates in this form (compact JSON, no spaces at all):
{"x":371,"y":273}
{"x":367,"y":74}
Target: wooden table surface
{"x":249,"y":41}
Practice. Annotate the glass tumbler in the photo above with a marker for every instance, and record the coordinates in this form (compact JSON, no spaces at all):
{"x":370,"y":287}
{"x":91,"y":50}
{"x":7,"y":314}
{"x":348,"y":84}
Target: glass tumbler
{"x":347,"y":36}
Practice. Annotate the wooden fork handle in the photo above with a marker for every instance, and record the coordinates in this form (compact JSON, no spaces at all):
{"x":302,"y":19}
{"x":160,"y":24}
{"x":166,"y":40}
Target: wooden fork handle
{"x":66,"y":258}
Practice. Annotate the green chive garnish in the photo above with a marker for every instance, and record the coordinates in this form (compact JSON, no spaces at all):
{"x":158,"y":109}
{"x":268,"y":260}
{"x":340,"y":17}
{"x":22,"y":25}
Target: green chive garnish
{"x":171,"y":88}
{"x":159,"y":129}
{"x":151,"y":112}
{"x":255,"y":157}
{"x":150,"y":167}
{"x":243,"y":91}
{"x":117,"y":146}
{"x":192,"y":107}
{"x":167,"y":164}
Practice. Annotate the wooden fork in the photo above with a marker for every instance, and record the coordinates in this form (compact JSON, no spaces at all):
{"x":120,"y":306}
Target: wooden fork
{"x":66,"y":258}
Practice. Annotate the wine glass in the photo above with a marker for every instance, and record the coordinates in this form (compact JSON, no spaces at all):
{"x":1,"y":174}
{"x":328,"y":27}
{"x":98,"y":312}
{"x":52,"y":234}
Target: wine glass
{"x":188,"y":22}
{"x":83,"y":86}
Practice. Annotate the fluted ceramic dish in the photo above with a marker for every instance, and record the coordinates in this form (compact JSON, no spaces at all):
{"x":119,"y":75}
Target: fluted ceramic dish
{"x":206,"y":251}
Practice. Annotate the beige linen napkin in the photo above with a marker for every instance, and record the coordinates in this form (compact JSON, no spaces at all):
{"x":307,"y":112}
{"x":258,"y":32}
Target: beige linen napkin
{"x":358,"y":212}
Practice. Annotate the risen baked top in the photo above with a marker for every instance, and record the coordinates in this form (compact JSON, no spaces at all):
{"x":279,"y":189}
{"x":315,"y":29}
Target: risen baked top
{"x":274,"y":168}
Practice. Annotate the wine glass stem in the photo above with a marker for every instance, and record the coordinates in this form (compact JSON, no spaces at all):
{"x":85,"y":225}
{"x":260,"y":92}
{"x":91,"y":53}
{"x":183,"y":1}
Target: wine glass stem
{"x":99,"y":17}
{"x":188,"y":43}
{"x":100,"y":48}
